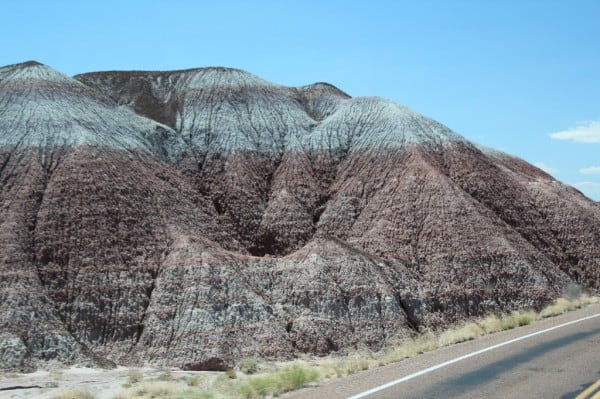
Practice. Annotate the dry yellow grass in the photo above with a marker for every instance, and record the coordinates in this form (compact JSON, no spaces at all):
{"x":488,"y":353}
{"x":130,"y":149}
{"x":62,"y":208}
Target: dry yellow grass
{"x":562,"y":305}
{"x":463,"y":333}
{"x":491,"y":324}
{"x":409,"y":348}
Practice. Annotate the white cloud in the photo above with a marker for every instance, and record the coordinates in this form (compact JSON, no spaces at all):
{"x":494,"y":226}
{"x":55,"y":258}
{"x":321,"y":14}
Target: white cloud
{"x":545,"y":168}
{"x":586,"y":132}
{"x":592,"y":170}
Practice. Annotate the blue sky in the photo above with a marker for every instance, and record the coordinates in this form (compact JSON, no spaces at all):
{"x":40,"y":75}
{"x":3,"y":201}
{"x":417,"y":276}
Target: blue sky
{"x":520,"y":76}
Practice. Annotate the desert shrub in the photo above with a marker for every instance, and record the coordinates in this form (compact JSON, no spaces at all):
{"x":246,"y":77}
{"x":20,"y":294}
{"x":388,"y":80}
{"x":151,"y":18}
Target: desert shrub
{"x":231,"y":374}
{"x":194,"y":381}
{"x":166,"y":376}
{"x":249,"y":365}
{"x":134,"y":376}
{"x":155,"y":390}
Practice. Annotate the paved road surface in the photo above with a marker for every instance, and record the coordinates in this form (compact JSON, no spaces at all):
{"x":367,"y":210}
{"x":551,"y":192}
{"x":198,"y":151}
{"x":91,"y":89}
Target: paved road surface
{"x":560,"y":363}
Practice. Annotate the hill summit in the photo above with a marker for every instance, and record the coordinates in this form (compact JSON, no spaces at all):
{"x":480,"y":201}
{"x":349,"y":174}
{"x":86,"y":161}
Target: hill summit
{"x":194,"y":218}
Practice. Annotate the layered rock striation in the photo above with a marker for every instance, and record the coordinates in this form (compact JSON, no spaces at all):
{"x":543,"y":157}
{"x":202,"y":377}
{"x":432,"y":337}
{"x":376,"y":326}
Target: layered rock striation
{"x":193,"y":218}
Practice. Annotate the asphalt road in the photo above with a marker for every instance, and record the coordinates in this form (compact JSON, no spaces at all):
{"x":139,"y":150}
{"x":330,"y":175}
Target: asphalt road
{"x":560,"y":363}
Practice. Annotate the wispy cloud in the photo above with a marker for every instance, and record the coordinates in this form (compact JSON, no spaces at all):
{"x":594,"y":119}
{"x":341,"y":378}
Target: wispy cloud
{"x":586,"y":132}
{"x":545,"y":168}
{"x":591,"y":170}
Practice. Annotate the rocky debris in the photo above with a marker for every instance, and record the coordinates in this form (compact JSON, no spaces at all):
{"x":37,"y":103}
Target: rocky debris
{"x":194,"y":218}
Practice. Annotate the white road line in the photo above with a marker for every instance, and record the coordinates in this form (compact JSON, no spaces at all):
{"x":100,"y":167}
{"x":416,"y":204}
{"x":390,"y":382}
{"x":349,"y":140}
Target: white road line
{"x":458,"y":359}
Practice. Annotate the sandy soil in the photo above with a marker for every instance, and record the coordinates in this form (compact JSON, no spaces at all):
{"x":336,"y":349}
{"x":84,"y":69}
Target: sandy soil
{"x":105,"y":384}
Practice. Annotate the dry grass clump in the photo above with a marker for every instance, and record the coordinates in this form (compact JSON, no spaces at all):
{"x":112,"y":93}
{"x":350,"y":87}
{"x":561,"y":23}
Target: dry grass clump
{"x":491,"y":324}
{"x":526,"y":318}
{"x":560,"y":306}
{"x":166,"y":376}
{"x":463,"y":333}
{"x":410,"y":347}
{"x":74,"y":393}
{"x":150,"y":390}
{"x":285,"y":380}
{"x":134,"y":376}
{"x":193,"y":381}
{"x":231,"y":374}
{"x":357,"y":364}
{"x":249,"y":365}
{"x":509,"y":321}
{"x":345,"y":365}
{"x":424,"y":343}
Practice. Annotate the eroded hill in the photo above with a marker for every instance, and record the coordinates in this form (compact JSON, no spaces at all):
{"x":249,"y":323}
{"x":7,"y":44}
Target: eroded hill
{"x":192,"y":218}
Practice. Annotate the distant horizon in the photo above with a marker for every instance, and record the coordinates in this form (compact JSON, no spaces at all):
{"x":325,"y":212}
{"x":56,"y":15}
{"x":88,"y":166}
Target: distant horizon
{"x":522,"y":77}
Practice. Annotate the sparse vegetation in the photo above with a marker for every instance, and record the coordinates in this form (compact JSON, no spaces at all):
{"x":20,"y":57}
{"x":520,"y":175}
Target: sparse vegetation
{"x":491,"y":324}
{"x":265,"y":381}
{"x":288,"y":379}
{"x":526,"y":318}
{"x":74,"y":393}
{"x":463,"y":333}
{"x":166,"y":376}
{"x":194,"y":380}
{"x":155,"y":390}
{"x":134,"y":376}
{"x":561,"y":306}
{"x":410,"y":347}
{"x":356,"y":365}
{"x":508,"y":322}
{"x":194,"y":394}
{"x":231,"y":374}
{"x":249,"y":365}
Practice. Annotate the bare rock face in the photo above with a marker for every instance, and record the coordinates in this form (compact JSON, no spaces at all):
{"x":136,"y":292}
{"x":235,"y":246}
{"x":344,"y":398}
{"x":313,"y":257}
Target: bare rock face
{"x":194,"y":218}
